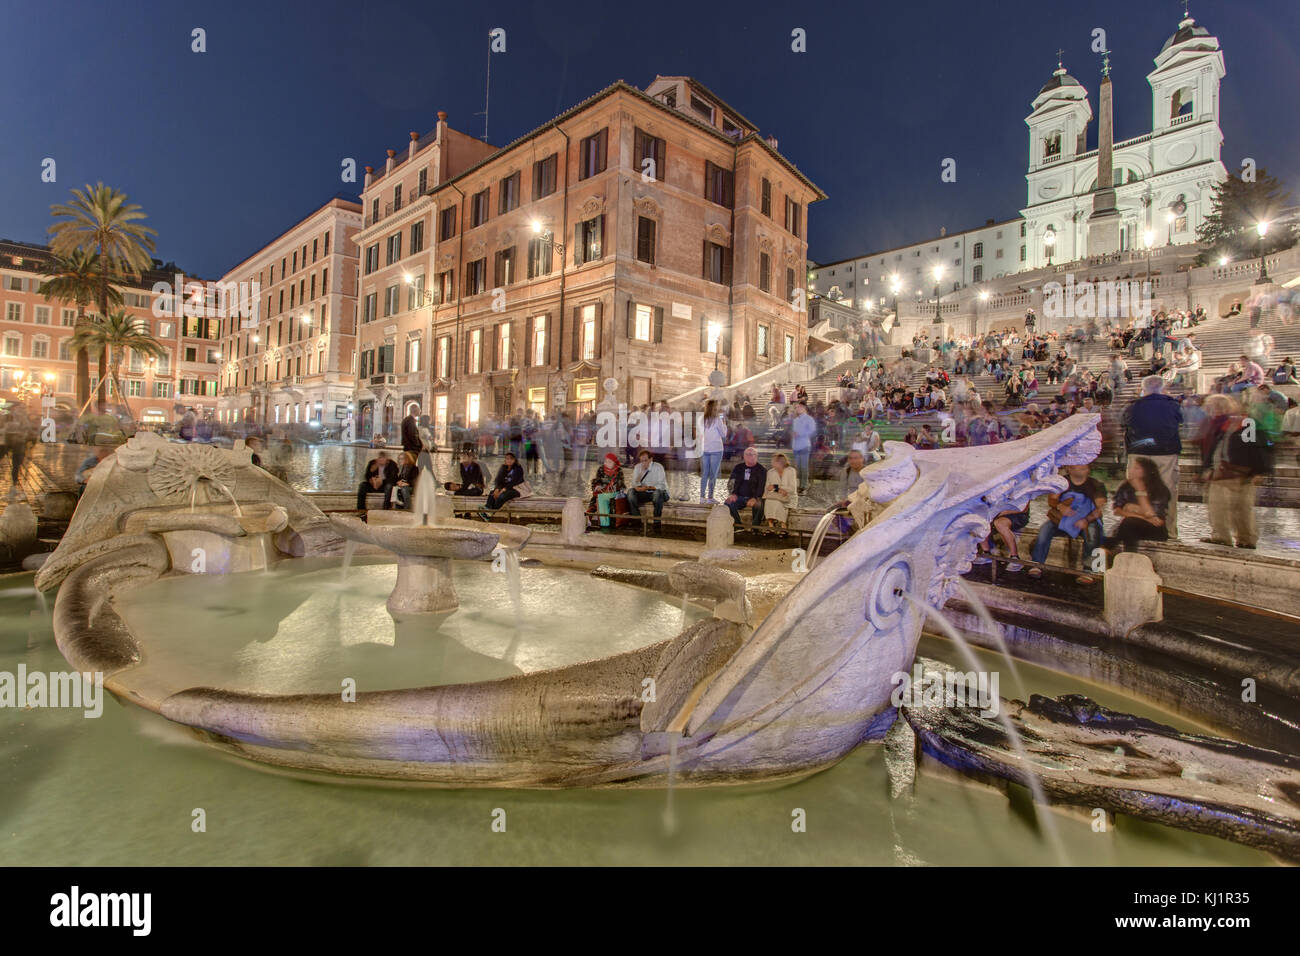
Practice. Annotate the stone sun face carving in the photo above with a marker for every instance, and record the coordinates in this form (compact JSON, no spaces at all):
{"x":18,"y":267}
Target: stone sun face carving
{"x":179,"y":470}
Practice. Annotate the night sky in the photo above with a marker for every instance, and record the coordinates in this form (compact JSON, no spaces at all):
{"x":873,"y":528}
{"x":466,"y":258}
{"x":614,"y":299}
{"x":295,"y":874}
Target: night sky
{"x":226,"y":149}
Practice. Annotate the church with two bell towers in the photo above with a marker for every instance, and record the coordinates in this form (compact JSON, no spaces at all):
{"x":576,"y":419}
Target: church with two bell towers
{"x":1153,"y":189}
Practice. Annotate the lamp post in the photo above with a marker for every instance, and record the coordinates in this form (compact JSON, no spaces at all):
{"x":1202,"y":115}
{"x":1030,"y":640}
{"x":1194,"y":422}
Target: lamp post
{"x":1169,"y":218}
{"x":1262,"y":229}
{"x":1049,"y":240}
{"x":938,"y":277}
{"x":715,"y":333}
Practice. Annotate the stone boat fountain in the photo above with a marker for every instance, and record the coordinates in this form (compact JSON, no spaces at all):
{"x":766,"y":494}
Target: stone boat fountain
{"x":790,"y":673}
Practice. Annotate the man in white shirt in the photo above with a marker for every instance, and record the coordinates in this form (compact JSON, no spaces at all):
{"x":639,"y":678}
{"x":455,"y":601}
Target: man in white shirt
{"x":802,"y":431}
{"x":649,"y":483}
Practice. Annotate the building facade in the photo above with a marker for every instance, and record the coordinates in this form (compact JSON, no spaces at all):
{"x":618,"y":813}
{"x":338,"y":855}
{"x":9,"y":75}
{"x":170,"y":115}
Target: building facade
{"x":1163,"y":180}
{"x":35,"y":334}
{"x":396,"y":248}
{"x":643,"y":238}
{"x":284,"y":331}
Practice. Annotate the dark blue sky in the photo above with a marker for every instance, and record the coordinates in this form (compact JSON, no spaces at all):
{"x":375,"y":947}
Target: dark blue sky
{"x":227,"y":148}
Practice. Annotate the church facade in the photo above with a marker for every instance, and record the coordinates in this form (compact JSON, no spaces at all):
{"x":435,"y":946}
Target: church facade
{"x":1162,"y":180}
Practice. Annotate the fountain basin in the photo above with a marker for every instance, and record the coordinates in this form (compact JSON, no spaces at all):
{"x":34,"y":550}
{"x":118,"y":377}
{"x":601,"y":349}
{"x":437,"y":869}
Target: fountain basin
{"x":213,"y":538}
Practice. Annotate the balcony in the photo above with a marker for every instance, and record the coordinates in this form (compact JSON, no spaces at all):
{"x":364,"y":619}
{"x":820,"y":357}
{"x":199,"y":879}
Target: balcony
{"x":1180,"y":120}
{"x":385,"y":378}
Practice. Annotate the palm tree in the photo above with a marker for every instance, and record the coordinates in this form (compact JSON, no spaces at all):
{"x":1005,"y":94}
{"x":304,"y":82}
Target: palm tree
{"x":75,"y":279}
{"x":99,"y":220}
{"x":113,"y":335}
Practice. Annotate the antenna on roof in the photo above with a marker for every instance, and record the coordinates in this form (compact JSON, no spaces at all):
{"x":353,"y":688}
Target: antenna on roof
{"x":487,"y":93}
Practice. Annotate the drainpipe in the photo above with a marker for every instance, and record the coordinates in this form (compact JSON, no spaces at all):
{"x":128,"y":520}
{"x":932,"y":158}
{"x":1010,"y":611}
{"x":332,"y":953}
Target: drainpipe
{"x":559,"y":346}
{"x":460,"y":262}
{"x":731,"y":288}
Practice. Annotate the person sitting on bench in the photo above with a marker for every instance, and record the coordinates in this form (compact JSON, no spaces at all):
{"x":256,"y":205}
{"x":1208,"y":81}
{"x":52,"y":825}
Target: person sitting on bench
{"x":748,"y":483}
{"x":649,"y":483}
{"x":471,"y":475}
{"x":380,"y":476}
{"x":509,"y":476}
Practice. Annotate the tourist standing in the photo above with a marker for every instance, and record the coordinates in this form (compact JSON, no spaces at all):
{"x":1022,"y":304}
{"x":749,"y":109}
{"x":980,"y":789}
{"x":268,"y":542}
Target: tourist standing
{"x":1151,"y":429}
{"x":1230,"y":465}
{"x":802,"y":431}
{"x":713,"y":439}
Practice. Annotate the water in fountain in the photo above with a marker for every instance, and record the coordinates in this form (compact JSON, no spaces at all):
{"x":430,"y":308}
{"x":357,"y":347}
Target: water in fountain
{"x":349,"y":549}
{"x":514,"y":582}
{"x":819,"y":535}
{"x":1041,"y":812}
{"x":982,"y":612}
{"x":685,"y":609}
{"x":670,"y":814}
{"x":425,"y":500}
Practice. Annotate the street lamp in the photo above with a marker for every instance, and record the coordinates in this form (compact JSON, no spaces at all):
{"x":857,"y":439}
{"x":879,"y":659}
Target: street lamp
{"x":715,"y":333}
{"x":938,"y":277}
{"x":1049,"y":240}
{"x":1262,"y":229}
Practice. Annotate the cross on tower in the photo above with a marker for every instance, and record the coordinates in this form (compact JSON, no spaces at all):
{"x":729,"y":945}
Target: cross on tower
{"x":1060,"y":64}
{"x":1185,"y":13}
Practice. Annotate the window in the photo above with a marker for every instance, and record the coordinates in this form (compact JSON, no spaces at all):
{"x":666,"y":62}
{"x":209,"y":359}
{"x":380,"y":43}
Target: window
{"x":314,"y":244}
{"x":588,"y":239}
{"x":397,"y":197}
{"x":648,"y":153}
{"x":372,"y":263}
{"x":793,"y":216}
{"x":703,"y":108}
{"x":134,"y":387}
{"x":14,"y":311}
{"x":371,"y":308}
{"x":40,"y":347}
{"x":789,"y":285}
{"x":591,"y":154}
{"x":69,"y":317}
{"x":539,"y":340}
{"x":643,"y":323}
{"x":474,"y":354}
{"x":413,"y":355}
{"x":767,"y":198}
{"x":508,"y":194}
{"x":717,"y":263}
{"x":447,"y":223}
{"x":503,"y":345}
{"x":544,"y":176}
{"x":977,"y":275}
{"x":718,"y":185}
{"x":295,"y":262}
{"x":42,"y":315}
{"x":65,"y":352}
{"x":978,"y":251}
{"x":417,"y":237}
{"x":394,"y":248}
{"x":444,"y":357}
{"x":423,"y":185}
{"x":789,"y":348}
{"x":13,"y":284}
{"x":1022,"y":230}
{"x":997,"y":254}
{"x":392,"y":300}
{"x":504,"y":272}
{"x":1022,"y":253}
{"x":762,"y":346}
{"x":588,"y":331}
{"x":13,"y":344}
{"x":476,"y":277}
{"x":539,"y":257}
{"x":730,"y":127}
{"x":415,"y":293}
{"x":446,"y":288}
{"x":212,"y":358}
{"x":765,"y":272}
{"x":478,"y":208}
{"x":472,"y":409}
{"x":160,"y":389}
{"x":645,"y":239}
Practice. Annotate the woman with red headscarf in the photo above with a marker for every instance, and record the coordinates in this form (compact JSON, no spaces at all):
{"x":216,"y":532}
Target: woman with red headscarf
{"x":605,"y":487}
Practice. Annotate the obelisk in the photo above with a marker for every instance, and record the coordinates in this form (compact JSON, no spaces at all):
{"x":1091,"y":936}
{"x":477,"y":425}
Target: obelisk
{"x":1103,"y":224}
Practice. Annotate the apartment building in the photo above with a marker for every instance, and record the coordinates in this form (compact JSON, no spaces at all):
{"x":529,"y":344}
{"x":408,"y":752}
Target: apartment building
{"x":285,"y":333}
{"x":644,"y":236}
{"x":35,"y":332}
